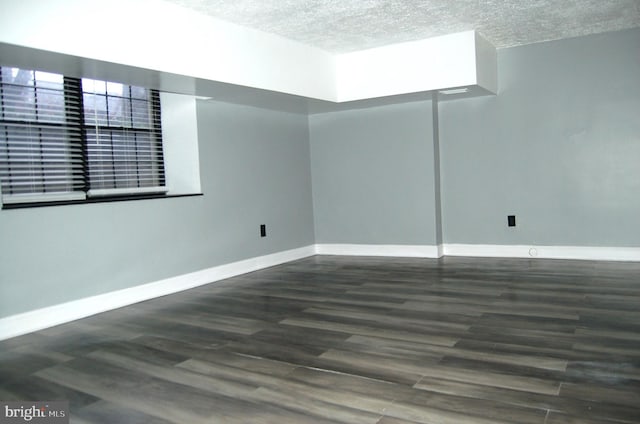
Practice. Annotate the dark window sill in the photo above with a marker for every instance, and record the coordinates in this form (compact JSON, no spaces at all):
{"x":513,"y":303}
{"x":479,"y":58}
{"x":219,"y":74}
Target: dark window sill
{"x":105,"y":199}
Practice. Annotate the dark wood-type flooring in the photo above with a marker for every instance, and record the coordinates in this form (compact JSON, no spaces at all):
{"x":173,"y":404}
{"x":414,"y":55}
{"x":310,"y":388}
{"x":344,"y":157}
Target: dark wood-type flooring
{"x":332,"y":339}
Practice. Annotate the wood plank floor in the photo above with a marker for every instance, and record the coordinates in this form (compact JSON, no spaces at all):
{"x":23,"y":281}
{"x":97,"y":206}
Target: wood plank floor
{"x":332,"y":339}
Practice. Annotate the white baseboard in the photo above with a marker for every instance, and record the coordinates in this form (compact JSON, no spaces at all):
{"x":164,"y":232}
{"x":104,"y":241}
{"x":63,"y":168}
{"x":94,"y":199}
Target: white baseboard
{"x":397,"y":250}
{"x":50,"y":316}
{"x":544,"y":252}
{"x":483,"y":250}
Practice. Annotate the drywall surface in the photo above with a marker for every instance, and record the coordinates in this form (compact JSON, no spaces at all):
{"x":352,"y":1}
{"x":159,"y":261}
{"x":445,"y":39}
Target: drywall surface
{"x":254,"y":167}
{"x":256,"y":170}
{"x":166,"y":44}
{"x":437,"y":205}
{"x":159,"y":36}
{"x":559,"y":147}
{"x":180,"y":143}
{"x":434,"y":63}
{"x":373,"y":177}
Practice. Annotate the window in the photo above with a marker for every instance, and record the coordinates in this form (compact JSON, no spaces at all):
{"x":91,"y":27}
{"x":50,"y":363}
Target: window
{"x":40,"y":138}
{"x":66,"y":139}
{"x":123,"y":138}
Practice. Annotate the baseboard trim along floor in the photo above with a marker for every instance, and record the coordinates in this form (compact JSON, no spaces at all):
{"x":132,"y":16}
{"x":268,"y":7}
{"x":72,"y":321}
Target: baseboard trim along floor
{"x":587,"y":253}
{"x":399,"y":250}
{"x":28,"y":322}
{"x":483,"y":250}
{"x":51,"y":316}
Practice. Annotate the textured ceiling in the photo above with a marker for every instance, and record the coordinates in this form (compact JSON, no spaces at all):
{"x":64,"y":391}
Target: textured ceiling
{"x":347,"y":25}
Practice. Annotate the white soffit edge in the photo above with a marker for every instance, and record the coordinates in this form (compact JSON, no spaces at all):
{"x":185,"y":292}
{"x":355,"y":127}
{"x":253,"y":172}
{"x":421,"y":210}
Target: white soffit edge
{"x":432,"y":64}
{"x":176,"y":40}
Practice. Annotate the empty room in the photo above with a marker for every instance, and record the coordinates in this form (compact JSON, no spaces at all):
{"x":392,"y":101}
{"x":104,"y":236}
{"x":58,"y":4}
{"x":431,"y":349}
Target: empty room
{"x":308,"y":211}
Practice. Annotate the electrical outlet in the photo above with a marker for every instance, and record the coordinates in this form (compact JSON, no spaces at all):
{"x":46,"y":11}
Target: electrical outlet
{"x":263,"y":230}
{"x":511,"y":220}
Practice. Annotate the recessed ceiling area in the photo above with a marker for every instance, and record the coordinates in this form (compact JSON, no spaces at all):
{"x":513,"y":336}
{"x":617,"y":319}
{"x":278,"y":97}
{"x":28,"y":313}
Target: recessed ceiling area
{"x":340,"y":26}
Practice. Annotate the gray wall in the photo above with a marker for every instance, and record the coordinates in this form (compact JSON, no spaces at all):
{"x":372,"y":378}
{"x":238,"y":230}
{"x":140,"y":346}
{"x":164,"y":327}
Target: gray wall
{"x":373,"y":178}
{"x":559,"y":147}
{"x":255,"y":167}
{"x":255,"y":170}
